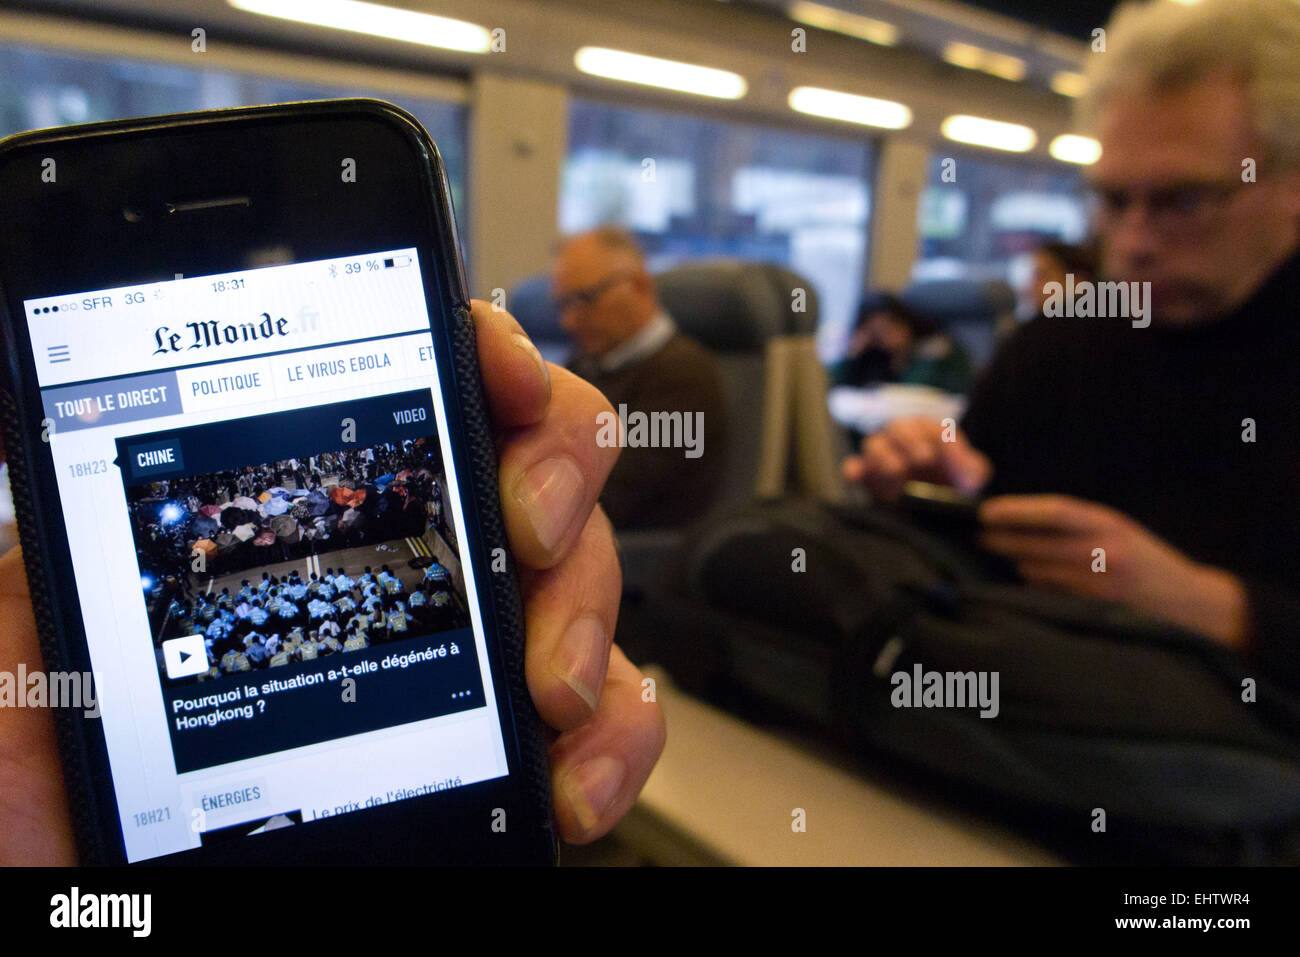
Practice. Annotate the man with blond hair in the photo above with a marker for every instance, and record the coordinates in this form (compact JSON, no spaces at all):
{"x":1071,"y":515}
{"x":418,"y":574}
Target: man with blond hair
{"x":1169,"y":447}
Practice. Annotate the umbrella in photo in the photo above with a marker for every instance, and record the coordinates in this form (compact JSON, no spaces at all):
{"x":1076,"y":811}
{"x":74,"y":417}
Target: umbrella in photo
{"x":204,"y":526}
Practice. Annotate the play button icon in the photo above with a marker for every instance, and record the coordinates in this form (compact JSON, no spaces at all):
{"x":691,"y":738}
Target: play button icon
{"x":185,"y":657}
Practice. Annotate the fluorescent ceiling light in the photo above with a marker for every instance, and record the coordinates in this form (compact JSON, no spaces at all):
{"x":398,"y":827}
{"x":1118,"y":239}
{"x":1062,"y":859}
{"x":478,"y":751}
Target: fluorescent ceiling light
{"x":1069,"y":148}
{"x":841,"y":21}
{"x":1067,"y":83}
{"x":377,"y":20}
{"x":991,"y":133}
{"x":977,"y":58}
{"x":1007,"y":67}
{"x":850,"y":107}
{"x":652,"y":71}
{"x":963,"y":54}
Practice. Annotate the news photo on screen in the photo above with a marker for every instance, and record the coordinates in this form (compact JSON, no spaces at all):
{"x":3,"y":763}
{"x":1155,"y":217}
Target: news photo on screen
{"x":262,"y":575}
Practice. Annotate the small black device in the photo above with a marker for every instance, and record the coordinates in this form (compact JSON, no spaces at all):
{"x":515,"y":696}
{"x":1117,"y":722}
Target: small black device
{"x":257,"y":496}
{"x":940,"y":504}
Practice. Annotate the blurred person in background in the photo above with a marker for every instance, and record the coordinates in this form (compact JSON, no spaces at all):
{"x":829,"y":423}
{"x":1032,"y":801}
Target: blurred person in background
{"x":628,"y":347}
{"x":1054,"y":262}
{"x":892,"y":343}
{"x":898,"y":364}
{"x":1175,"y":446}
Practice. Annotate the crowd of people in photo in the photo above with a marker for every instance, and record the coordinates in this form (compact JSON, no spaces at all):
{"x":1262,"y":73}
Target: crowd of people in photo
{"x":285,"y":619}
{"x":230,"y":521}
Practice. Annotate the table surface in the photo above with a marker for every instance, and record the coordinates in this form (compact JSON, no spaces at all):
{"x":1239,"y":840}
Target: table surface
{"x":725,"y":792}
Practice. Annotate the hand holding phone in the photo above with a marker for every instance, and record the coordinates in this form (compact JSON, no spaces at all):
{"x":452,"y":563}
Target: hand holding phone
{"x":307,"y":391}
{"x":534,"y":415}
{"x":950,"y":514}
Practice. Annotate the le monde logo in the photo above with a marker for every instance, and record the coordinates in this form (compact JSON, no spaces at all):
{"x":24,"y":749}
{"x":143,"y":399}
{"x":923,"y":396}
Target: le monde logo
{"x":213,"y":333}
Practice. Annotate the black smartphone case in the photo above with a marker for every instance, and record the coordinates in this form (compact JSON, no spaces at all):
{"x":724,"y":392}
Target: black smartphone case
{"x":82,"y":749}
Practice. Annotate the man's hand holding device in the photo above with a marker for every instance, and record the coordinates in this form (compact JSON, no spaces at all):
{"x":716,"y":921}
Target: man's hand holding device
{"x":1053,"y":540}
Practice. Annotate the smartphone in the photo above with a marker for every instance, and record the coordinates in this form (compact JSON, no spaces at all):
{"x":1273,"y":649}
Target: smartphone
{"x":256,"y":491}
{"x":941,"y":505}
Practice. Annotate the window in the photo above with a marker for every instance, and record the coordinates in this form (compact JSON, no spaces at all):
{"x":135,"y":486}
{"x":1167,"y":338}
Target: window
{"x":690,"y":188}
{"x":980,"y":218}
{"x":39,"y":89}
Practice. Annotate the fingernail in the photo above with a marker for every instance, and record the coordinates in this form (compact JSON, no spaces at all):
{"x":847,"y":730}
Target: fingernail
{"x":521,"y":341}
{"x":591,"y":788}
{"x":550,"y":492}
{"x":579,"y":660}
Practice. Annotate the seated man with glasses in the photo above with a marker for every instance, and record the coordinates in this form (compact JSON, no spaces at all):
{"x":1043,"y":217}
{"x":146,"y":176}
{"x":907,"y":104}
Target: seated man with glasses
{"x":1174,"y":447}
{"x":664,"y":385}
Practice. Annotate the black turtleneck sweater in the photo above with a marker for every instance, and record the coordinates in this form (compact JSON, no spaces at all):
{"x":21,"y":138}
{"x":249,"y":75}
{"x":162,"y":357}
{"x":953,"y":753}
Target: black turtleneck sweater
{"x":1150,"y":422}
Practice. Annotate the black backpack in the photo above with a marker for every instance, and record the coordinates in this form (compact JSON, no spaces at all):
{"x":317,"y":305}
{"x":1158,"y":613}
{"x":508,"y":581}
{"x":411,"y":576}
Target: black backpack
{"x":1116,"y":738}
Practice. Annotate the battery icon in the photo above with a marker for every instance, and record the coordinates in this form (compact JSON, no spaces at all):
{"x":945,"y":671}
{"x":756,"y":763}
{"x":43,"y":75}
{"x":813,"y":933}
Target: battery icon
{"x":397,"y":261}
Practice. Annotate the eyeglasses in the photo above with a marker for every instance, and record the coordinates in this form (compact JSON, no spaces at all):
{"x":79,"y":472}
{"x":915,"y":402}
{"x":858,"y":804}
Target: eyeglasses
{"x":588,"y":296}
{"x":1171,"y":210}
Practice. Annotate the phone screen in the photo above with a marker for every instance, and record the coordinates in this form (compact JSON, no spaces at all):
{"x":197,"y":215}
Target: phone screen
{"x":265,"y":520}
